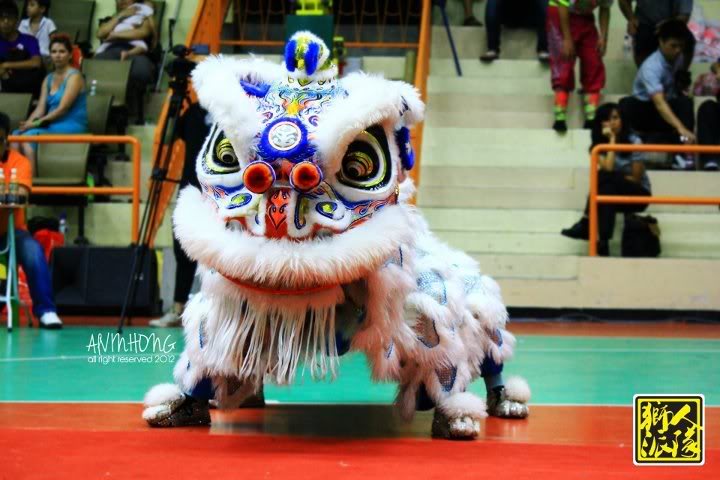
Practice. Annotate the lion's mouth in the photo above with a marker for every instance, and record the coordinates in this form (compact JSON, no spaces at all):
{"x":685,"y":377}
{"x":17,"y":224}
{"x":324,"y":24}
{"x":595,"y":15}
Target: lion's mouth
{"x":256,"y":287}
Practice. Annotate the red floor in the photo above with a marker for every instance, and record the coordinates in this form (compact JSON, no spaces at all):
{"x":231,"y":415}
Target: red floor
{"x":58,"y":441}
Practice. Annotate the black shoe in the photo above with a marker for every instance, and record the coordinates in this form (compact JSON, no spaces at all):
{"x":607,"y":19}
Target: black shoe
{"x":560,"y":126}
{"x":471,"y":21}
{"x":489,"y":56}
{"x":579,"y":231}
{"x":603,"y":249}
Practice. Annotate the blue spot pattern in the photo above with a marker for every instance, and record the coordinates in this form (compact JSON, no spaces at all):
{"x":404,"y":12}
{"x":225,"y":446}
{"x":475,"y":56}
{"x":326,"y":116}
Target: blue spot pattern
{"x":389,"y":350}
{"x":430,"y":339}
{"x":446,"y":377}
{"x":396,"y":259}
{"x":431,"y":283}
{"x":472,"y":283}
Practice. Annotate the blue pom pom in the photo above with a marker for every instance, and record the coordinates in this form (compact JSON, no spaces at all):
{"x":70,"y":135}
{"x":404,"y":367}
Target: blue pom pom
{"x":312,"y":56}
{"x":407,"y":156}
{"x":290,"y":62}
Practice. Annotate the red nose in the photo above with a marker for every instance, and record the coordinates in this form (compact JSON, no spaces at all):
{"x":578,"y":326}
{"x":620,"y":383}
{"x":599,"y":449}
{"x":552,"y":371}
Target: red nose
{"x":305,"y":176}
{"x":259,"y":177}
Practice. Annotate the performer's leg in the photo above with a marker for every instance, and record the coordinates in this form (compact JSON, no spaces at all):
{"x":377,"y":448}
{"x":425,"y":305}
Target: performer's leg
{"x":504,"y":400}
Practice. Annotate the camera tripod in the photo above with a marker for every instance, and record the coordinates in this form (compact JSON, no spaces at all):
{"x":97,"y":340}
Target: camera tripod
{"x":179,"y":71}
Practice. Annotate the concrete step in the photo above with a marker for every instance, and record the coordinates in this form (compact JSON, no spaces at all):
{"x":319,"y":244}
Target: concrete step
{"x":522,"y":198}
{"x":470,"y":42}
{"x":552,"y":221}
{"x":674,"y":244}
{"x":615,"y":283}
{"x":538,"y":267}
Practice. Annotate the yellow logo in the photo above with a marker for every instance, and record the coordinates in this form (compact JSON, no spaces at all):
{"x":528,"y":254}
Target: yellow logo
{"x":669,"y":430}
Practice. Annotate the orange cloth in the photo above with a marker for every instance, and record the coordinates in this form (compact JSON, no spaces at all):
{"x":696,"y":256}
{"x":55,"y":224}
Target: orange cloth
{"x":24,"y":177}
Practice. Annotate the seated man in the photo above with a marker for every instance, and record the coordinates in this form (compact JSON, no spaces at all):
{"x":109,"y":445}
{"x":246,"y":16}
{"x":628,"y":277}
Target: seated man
{"x":21,"y":69}
{"x":657,"y":104}
{"x":29,"y":252}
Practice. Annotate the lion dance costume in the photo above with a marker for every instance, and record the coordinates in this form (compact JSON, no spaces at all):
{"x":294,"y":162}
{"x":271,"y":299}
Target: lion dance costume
{"x":308,"y":249}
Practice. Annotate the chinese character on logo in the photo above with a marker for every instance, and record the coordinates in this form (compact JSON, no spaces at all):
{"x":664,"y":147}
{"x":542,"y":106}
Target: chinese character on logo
{"x":669,"y":429}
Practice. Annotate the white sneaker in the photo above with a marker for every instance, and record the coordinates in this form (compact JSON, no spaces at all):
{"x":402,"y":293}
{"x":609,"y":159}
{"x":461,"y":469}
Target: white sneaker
{"x":170,"y":319}
{"x":51,"y":321}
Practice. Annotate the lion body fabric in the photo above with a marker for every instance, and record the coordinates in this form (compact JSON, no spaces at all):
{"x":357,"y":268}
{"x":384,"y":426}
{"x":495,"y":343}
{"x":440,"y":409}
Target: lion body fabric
{"x":308,"y":247}
{"x":427,"y":317}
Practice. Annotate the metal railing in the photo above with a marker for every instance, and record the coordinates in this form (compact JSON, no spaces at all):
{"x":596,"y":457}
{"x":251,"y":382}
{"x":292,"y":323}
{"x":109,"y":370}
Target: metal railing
{"x":133,"y":190}
{"x":595,"y":199}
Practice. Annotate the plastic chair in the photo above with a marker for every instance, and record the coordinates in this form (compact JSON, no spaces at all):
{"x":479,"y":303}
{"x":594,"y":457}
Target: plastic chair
{"x":62,"y":164}
{"x":98,"y":112}
{"x":16,"y":106}
{"x":112,"y":78}
{"x":74,"y":16}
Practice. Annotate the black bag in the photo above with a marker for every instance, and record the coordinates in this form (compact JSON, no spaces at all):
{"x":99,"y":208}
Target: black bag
{"x":641,"y":236}
{"x":43,"y":223}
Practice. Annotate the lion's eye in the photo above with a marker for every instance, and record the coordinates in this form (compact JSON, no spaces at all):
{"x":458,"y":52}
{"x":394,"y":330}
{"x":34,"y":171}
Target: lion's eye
{"x":366,"y":163}
{"x":358,"y":166}
{"x":221,"y":157}
{"x":226,"y":154}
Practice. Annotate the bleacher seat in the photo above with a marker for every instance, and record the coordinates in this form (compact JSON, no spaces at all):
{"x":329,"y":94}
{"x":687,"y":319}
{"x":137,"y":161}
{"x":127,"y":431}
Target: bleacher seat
{"x":111,"y":76}
{"x":61,"y":164}
{"x":16,"y":106}
{"x":74,"y":17}
{"x":98,"y":111}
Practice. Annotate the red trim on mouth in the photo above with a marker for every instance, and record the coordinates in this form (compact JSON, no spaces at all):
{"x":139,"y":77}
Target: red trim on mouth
{"x":279,"y":291}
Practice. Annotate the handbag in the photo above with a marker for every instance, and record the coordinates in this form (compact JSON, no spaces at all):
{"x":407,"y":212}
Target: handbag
{"x":641,"y":236}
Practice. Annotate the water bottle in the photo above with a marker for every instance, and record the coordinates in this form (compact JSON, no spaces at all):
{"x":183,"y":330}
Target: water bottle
{"x":628,"y":47}
{"x":62,"y":225}
{"x":3,"y":190}
{"x":12,"y":190}
{"x":93,"y":88}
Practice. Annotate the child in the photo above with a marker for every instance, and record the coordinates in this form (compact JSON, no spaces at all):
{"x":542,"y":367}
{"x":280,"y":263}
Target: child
{"x":39,"y":25}
{"x":138,"y":12}
{"x":572,"y":33}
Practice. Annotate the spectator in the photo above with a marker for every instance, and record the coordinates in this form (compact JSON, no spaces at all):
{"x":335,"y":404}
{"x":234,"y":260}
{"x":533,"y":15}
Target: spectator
{"x":572,"y":33}
{"x":506,"y":12}
{"x":29,"y":252}
{"x":645,"y":20}
{"x":657,"y":105}
{"x":470,"y":20}
{"x":193,"y":127}
{"x":21,"y":69}
{"x":62,"y":107}
{"x":117,"y":44}
{"x":39,"y":25}
{"x":137,"y":13}
{"x":708,"y":117}
{"x":619,"y":174}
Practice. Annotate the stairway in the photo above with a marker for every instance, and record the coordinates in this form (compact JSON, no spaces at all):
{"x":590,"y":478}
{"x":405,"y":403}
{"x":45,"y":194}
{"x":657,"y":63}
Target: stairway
{"x":497,"y":182}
